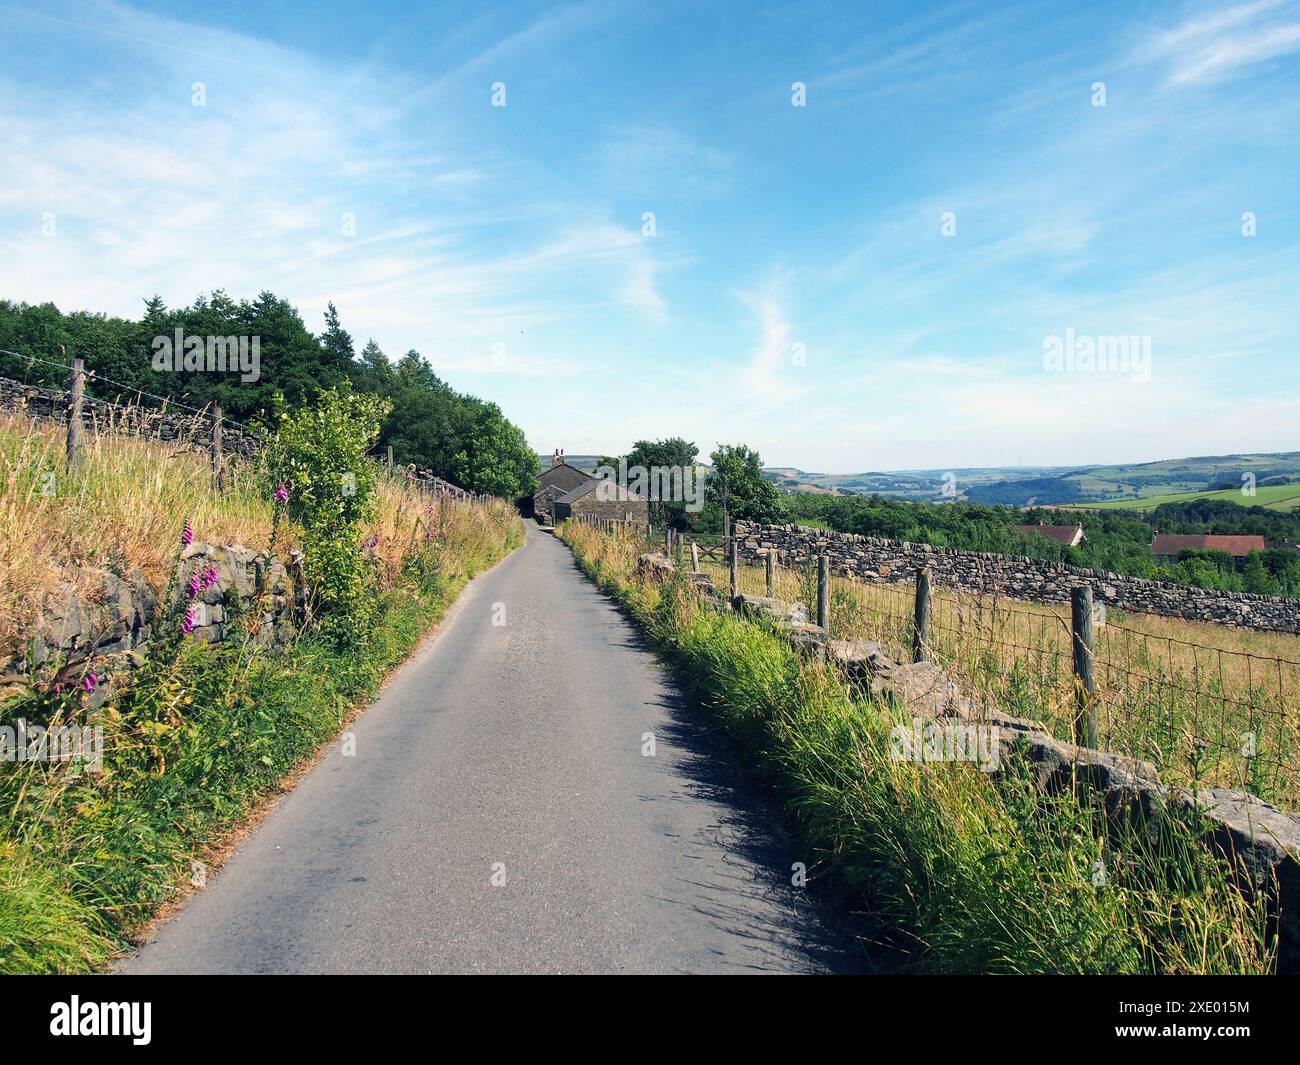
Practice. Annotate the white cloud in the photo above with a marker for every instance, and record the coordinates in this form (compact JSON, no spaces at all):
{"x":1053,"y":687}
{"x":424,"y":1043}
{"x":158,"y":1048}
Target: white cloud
{"x":1219,"y":44}
{"x":652,"y":160}
{"x":769,"y":376}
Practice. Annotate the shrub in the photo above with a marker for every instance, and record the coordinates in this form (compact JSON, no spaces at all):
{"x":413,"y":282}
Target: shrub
{"x":319,"y":455}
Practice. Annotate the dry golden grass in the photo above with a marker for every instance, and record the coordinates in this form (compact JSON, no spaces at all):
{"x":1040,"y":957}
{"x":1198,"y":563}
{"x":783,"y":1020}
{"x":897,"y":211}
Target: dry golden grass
{"x":123,"y":509}
{"x":126,"y":505}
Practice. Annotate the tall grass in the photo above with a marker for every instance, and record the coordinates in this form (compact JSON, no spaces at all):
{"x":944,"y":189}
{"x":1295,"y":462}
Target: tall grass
{"x":958,"y":870}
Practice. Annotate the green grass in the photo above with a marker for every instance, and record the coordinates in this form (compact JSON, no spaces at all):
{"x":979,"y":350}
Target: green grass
{"x":956,"y":870}
{"x":1274,"y":497}
{"x":191,"y":750}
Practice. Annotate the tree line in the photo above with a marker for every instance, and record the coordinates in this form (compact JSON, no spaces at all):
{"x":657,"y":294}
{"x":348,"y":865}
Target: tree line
{"x":461,"y":438}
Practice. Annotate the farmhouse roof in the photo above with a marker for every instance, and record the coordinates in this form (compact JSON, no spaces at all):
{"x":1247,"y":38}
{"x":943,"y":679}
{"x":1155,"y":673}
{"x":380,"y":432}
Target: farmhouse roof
{"x":1237,"y":546}
{"x":1069,"y":535}
{"x":580,"y":491}
{"x":560,"y":468}
{"x":587,"y":486}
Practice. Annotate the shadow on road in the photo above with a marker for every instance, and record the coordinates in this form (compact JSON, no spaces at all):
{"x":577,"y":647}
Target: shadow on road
{"x":712,"y":766}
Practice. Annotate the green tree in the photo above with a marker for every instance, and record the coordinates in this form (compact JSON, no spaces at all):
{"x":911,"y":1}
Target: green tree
{"x":1256,"y":578}
{"x":336,"y":342}
{"x":668,"y":454}
{"x":375,"y":373}
{"x":738,"y":487}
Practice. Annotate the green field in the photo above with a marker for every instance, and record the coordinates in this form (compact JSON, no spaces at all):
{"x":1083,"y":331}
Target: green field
{"x":1273,"y":497}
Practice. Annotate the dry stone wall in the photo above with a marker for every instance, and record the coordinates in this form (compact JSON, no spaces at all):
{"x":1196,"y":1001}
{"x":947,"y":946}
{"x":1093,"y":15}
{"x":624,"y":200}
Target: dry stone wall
{"x":870,"y":559}
{"x":101,"y":622}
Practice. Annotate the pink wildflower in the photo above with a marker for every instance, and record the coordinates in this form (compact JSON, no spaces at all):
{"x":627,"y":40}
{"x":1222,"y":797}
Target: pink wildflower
{"x":282,"y":494}
{"x":187,"y":534}
{"x":90,"y":681}
{"x":187,"y":626}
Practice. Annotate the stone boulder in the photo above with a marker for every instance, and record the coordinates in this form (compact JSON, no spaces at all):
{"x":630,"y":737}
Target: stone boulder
{"x":760,"y":606}
{"x":654,"y":565}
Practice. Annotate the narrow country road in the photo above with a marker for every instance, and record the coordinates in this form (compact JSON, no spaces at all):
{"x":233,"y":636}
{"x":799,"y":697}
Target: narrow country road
{"x":514,"y":752}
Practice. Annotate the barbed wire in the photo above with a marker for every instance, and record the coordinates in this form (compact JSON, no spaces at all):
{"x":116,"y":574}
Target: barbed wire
{"x":423,"y":479}
{"x":93,"y":374}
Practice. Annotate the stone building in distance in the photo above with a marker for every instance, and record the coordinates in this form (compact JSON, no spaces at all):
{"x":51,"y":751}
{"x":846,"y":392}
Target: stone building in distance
{"x":558,"y":480}
{"x":567,"y":492}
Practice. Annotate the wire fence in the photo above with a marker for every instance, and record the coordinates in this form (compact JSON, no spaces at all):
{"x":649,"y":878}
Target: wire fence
{"x":95,"y":379}
{"x":1209,"y":709}
{"x":201,"y":429}
{"x":171,"y":422}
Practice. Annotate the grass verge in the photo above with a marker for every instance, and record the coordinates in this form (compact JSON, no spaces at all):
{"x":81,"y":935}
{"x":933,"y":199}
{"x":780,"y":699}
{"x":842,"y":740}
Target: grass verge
{"x":958,"y":870}
{"x":191,"y":750}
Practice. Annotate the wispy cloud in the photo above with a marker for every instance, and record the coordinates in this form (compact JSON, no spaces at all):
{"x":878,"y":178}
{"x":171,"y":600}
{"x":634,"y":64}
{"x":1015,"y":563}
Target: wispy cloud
{"x":771,"y":375}
{"x":1218,"y":44}
{"x":285,"y":180}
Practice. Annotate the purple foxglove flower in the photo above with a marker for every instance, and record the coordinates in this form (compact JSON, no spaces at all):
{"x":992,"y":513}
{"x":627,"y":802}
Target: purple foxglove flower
{"x":90,"y":681}
{"x":187,"y":534}
{"x":187,"y":626}
{"x":196,"y":583}
{"x":210,"y":577}
{"x":282,"y":494}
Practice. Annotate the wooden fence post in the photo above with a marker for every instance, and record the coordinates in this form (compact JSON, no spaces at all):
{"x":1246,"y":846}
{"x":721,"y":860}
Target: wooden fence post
{"x":771,"y":572}
{"x":695,"y":557}
{"x":390,"y":458}
{"x":824,"y":592}
{"x":218,"y":460}
{"x":1081,"y":625}
{"x":735,"y":567}
{"x":77,"y":386}
{"x":921,"y":617}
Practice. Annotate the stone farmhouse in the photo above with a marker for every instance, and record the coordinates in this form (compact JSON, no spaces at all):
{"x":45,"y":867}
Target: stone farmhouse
{"x":567,"y":492}
{"x":558,"y":480}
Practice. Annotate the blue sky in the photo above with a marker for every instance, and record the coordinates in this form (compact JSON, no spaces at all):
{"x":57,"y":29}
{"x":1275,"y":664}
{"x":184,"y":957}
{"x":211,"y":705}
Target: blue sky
{"x":798,"y":293}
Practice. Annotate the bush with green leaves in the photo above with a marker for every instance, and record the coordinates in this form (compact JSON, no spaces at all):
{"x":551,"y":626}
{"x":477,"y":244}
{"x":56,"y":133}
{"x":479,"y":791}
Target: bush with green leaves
{"x":319,"y":456}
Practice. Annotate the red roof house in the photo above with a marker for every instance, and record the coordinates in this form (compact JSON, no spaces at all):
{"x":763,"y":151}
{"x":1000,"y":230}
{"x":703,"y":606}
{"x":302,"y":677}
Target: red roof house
{"x":1166,"y":547}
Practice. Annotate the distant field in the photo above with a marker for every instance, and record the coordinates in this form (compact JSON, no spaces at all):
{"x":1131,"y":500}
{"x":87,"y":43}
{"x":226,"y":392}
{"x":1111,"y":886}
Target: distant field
{"x":1274,"y":497}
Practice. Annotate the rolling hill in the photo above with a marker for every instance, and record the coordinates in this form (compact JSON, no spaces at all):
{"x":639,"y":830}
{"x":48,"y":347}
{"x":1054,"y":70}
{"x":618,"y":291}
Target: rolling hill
{"x":1134,"y":486}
